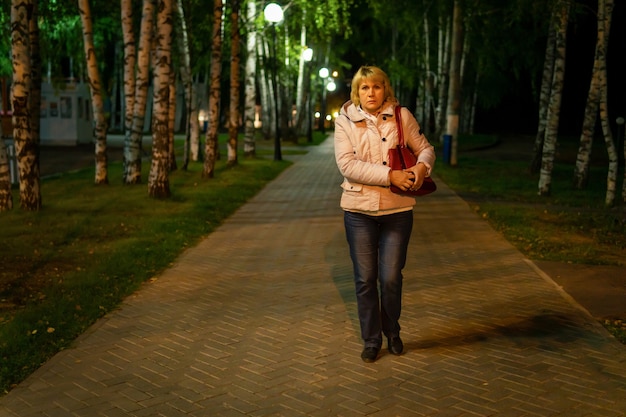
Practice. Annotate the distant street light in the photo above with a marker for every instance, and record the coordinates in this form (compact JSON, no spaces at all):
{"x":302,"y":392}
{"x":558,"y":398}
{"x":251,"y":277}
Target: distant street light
{"x":273,"y":13}
{"x":307,"y":54}
{"x":324,"y":73}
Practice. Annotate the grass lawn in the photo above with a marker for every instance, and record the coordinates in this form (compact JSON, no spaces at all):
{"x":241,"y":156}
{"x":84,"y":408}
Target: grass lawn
{"x":91,"y":246}
{"x":571,"y":226}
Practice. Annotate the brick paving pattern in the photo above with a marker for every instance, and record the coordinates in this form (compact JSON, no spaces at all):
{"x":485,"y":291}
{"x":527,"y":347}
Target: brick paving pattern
{"x":260,"y":320}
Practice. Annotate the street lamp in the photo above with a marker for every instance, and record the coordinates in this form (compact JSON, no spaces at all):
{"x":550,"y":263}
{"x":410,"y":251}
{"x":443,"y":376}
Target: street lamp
{"x":274,"y":14}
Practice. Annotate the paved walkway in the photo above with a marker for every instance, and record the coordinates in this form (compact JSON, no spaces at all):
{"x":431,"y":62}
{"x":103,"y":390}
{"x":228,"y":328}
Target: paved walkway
{"x":260,"y":320}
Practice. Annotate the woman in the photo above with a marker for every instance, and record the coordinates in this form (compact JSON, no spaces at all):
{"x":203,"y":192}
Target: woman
{"x":378,"y":222}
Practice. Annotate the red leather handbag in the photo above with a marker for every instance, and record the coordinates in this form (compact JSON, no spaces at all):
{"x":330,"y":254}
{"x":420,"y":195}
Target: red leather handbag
{"x":401,"y":158}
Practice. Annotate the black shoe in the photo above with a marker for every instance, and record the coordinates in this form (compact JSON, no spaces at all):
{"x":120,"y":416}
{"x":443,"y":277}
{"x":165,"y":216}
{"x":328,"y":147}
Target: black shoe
{"x":369,"y":354}
{"x":395,"y":345}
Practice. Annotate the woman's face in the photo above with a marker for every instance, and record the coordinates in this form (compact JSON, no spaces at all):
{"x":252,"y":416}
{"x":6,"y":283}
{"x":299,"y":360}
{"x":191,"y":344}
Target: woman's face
{"x":372,"y":95}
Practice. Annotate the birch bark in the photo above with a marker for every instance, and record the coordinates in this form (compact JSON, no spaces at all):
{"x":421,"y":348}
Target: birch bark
{"x":133,"y":144}
{"x":158,"y":179}
{"x":21,"y":90}
{"x":97,"y":103}
{"x":249,"y":143}
{"x":235,"y":59}
{"x":554,"y":108}
{"x":211,"y":147}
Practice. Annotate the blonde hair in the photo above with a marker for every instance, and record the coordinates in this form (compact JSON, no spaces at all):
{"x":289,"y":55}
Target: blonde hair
{"x":367,"y":72}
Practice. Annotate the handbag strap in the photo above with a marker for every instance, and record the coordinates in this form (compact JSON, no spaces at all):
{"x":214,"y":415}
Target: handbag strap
{"x":398,"y":111}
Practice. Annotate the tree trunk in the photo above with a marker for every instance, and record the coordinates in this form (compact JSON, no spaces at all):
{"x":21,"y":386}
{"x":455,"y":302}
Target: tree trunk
{"x":444,"y":74}
{"x":158,"y":180}
{"x":554,"y":108}
{"x":267,"y":96}
{"x":130,"y":60}
{"x":93,"y":75}
{"x":113,"y":122}
{"x":301,"y":85}
{"x":35,"y":98}
{"x":426,"y":108}
{"x":454,"y":94}
{"x":605,"y":12}
{"x":214,"y":92}
{"x":544,"y":96}
{"x":26,"y":148}
{"x":133,"y":145}
{"x":172,"y":165}
{"x":581,"y":171}
{"x":6,"y":197}
{"x":192,"y":128}
{"x":249,"y":143}
{"x":235,"y":59}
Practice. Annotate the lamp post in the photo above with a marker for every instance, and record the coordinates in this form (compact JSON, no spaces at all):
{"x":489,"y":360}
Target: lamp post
{"x":273,"y":13}
{"x":323,"y":73}
{"x":307,"y":55}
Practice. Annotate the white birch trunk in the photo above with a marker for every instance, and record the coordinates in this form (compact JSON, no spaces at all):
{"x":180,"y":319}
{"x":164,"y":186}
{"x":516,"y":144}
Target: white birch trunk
{"x":544,"y":95}
{"x":130,"y":60}
{"x":454,"y":94}
{"x":554,"y":109}
{"x":235,"y":59}
{"x":172,"y":165}
{"x":21,"y":90}
{"x":249,"y":143}
{"x":605,"y":12}
{"x":158,"y":179}
{"x":132,"y":147}
{"x":444,"y":73}
{"x":192,"y":126}
{"x":211,"y":147}
{"x":266,"y":92}
{"x":300,"y":84}
{"x":97,"y":103}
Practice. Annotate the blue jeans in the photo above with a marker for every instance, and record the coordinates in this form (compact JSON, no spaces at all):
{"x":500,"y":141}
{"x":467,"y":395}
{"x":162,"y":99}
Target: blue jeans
{"x":378,"y":246}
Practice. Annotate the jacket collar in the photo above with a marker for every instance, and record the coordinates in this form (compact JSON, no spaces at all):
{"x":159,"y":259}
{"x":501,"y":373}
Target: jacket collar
{"x":352,"y":112}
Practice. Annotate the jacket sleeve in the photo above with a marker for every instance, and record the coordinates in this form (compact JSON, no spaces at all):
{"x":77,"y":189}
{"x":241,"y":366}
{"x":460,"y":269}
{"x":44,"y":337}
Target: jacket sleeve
{"x":416,"y":141}
{"x":354,"y":167}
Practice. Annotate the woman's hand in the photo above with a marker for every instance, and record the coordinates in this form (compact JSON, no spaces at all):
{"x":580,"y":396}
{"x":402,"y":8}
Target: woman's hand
{"x":409,"y":179}
{"x":404,"y":179}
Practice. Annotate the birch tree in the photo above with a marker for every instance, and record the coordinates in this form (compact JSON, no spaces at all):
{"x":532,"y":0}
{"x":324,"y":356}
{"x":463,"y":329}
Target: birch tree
{"x":133,"y":143}
{"x":454,"y":95}
{"x":6,"y":197}
{"x":97,"y":103}
{"x":301,"y":84}
{"x":249,"y":143}
{"x":192,"y":127}
{"x":26,"y":148}
{"x":544,"y":95}
{"x":597,"y":102}
{"x":554,"y":108}
{"x":130,"y":60}
{"x":158,"y":179}
{"x":235,"y":59}
{"x":214,"y":92}
{"x":171,"y":121}
{"x":443,"y":70}
{"x":35,"y":70}
{"x":605,"y":12}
